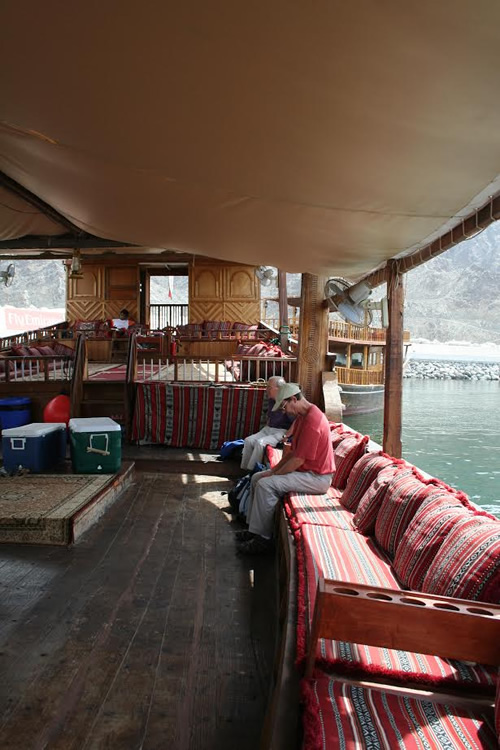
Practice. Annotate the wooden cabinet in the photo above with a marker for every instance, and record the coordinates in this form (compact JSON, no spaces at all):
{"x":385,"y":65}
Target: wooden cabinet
{"x":223,"y":291}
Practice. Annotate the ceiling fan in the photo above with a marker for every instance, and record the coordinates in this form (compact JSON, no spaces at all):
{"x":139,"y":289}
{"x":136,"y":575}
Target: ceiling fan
{"x":8,"y":276}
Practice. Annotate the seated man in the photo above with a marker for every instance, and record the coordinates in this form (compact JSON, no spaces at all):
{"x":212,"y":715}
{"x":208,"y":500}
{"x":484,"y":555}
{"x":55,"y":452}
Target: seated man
{"x":123,"y":322}
{"x":276,"y":428}
{"x":307,"y":467}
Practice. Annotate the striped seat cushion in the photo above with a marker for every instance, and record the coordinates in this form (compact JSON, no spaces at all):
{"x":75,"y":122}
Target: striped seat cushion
{"x":322,"y":510}
{"x":467,"y":564}
{"x":348,"y":556}
{"x":362,"y":475}
{"x":337,"y":715}
{"x":405,"y":495}
{"x":423,"y":538}
{"x":346,"y":454}
{"x":368,"y":506}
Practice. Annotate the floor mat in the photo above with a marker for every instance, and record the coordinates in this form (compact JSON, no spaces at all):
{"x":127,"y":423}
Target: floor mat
{"x":37,"y":509}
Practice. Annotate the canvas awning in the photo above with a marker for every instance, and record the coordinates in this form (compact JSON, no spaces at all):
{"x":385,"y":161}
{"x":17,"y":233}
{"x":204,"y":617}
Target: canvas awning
{"x":324,"y":136}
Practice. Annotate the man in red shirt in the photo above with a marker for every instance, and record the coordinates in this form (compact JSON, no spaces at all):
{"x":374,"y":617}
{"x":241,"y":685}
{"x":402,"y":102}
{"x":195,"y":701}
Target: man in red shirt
{"x":308,"y":467}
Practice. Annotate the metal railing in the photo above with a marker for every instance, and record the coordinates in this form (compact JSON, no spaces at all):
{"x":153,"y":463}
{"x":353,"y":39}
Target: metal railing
{"x":167,"y":316}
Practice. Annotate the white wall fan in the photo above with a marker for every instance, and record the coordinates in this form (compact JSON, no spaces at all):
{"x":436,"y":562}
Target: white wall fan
{"x":353,"y":303}
{"x":8,"y":276}
{"x":265,"y":274}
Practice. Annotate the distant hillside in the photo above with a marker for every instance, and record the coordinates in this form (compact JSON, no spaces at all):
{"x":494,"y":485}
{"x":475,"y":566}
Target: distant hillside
{"x":454,"y":297}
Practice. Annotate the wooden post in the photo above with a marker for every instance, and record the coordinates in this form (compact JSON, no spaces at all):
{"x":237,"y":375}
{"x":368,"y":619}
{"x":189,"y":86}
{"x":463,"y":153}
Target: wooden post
{"x":393,"y":396}
{"x":313,"y":337}
{"x":283,"y":310}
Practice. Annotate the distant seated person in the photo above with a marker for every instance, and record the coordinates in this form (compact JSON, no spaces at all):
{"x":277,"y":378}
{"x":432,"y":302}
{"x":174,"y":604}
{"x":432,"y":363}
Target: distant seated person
{"x":277,"y":426}
{"x":123,"y":322}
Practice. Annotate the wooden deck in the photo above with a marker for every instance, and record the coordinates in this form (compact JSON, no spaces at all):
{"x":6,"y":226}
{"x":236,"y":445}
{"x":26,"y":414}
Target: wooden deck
{"x":148,"y":633}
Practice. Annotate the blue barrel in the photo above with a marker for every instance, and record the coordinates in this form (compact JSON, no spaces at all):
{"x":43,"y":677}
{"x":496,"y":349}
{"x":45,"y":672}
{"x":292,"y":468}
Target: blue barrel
{"x":14,"y":412}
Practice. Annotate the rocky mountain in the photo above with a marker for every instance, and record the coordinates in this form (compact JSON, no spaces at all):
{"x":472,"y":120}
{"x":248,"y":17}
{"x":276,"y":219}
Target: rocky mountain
{"x":452,"y":297}
{"x":456,"y":296}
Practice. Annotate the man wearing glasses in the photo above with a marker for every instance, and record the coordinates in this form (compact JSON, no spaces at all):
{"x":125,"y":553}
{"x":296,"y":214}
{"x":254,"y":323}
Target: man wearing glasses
{"x":308,"y":467}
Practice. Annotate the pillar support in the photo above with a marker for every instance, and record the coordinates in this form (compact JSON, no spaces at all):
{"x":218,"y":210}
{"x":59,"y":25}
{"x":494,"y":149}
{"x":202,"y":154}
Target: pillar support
{"x":393,"y":396}
{"x":283,"y":310}
{"x":313,"y":337}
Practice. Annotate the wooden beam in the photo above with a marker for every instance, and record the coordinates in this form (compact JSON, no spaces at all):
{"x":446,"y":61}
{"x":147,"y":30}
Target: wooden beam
{"x":313,"y":337}
{"x":465,"y":230}
{"x":80,"y":241}
{"x":393,"y":395}
{"x":283,"y":310}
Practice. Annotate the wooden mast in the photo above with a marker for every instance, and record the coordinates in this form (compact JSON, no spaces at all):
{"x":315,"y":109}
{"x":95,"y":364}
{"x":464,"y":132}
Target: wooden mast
{"x":313,"y":337}
{"x":393,"y":395}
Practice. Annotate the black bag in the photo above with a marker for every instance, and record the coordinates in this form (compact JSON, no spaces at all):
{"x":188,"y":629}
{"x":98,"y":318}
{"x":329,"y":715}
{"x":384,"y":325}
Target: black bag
{"x":238,"y":496}
{"x":235,"y":495}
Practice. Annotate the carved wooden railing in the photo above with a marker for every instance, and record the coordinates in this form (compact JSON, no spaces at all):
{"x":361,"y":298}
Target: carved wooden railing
{"x":353,"y":376}
{"x":27,"y":369}
{"x":130,"y":379}
{"x":168,"y":316}
{"x":237,"y":369}
{"x":79,"y":375}
{"x":30,"y":337}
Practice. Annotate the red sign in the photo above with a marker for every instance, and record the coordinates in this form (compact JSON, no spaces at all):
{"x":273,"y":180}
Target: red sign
{"x":19,"y":319}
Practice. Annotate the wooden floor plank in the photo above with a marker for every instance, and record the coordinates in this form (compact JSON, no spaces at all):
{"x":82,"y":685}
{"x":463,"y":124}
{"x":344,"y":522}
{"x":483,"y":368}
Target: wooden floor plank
{"x":147,"y":634}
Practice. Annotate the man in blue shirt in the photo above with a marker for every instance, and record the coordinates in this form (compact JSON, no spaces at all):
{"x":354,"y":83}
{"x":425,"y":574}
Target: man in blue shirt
{"x":278,"y":424}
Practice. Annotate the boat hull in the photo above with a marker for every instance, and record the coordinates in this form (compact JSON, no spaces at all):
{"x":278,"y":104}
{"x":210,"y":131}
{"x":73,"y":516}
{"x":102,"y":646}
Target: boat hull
{"x":361,"y":399}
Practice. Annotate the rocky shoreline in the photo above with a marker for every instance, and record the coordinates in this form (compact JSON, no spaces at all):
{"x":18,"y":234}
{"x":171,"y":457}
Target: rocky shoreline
{"x":448,"y":370}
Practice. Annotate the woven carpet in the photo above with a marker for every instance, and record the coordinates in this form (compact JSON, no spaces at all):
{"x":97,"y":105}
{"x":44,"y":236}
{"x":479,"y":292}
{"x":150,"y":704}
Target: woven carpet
{"x":37,"y":509}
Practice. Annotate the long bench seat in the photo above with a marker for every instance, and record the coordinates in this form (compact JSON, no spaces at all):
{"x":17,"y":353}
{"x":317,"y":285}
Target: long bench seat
{"x":384,"y":524}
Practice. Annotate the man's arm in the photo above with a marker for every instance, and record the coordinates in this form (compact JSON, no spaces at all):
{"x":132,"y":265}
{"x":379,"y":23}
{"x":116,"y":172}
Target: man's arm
{"x":287,"y":464}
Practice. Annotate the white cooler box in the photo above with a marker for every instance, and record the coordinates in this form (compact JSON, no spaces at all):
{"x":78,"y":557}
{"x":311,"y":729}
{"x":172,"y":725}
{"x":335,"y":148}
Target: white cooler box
{"x":38,"y":446}
{"x":96,"y":445}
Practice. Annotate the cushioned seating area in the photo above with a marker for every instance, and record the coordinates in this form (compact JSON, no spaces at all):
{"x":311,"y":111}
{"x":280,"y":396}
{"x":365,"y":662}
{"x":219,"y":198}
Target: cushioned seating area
{"x":246,"y":370}
{"x":339,"y":715}
{"x":217,"y":329}
{"x":393,"y":528}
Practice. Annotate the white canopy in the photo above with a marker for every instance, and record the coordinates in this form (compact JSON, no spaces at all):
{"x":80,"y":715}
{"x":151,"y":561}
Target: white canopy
{"x":313,"y":135}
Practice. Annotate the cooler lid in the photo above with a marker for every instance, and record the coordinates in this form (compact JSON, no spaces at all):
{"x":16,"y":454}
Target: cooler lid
{"x":35,"y":429}
{"x":15,"y":401}
{"x":94,"y":424}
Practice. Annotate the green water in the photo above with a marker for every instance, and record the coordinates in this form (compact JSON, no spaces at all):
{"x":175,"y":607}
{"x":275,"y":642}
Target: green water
{"x":451,"y":430}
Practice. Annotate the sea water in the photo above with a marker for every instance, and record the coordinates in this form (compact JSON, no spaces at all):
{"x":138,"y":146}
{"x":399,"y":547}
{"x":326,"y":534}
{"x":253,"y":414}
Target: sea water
{"x":451,"y":430}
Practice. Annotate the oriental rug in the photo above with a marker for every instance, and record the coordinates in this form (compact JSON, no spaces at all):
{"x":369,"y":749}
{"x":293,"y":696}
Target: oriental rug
{"x":38,"y":509}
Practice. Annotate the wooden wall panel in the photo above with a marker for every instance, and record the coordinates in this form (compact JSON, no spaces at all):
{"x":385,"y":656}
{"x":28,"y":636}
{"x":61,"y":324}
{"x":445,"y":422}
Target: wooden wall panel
{"x":223,"y":291}
{"x":102,"y":292}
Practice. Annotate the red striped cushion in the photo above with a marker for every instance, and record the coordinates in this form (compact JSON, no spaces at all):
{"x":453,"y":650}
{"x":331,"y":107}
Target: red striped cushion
{"x":423,"y":538}
{"x":273,"y":455}
{"x":346,"y":454}
{"x":330,"y":552}
{"x":467,"y":565}
{"x":404,"y":496}
{"x":323,"y":510}
{"x":338,"y":715}
{"x":362,"y":475}
{"x":366,"y":514}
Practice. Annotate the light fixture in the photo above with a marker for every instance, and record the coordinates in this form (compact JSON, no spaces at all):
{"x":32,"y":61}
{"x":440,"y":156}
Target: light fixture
{"x":75,"y":270}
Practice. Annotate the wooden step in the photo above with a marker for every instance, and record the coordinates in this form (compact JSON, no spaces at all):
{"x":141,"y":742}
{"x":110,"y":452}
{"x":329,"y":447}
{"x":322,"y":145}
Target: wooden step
{"x":102,"y":408}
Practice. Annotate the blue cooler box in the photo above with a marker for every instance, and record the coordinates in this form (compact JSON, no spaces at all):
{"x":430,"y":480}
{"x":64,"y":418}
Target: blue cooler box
{"x":96,"y":445}
{"x":14,"y":411}
{"x":36,"y":446}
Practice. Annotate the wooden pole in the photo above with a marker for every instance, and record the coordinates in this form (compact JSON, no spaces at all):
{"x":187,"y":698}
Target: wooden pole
{"x":393,"y":396}
{"x":313,"y":337}
{"x":283,"y":310}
